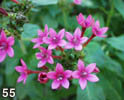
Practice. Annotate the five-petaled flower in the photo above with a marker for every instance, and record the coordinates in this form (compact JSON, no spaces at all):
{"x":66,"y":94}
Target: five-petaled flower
{"x":41,"y":36}
{"x":60,"y":77}
{"x":85,"y":23}
{"x":6,"y":46}
{"x":78,"y":2}
{"x":45,"y":56}
{"x":97,"y":31}
{"x":42,"y":77}
{"x":75,"y":41}
{"x":55,"y":40}
{"x":23,"y":70}
{"x":84,"y":74}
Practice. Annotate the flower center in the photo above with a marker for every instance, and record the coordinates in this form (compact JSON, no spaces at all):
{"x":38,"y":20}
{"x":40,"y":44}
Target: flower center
{"x":83,"y":74}
{"x":45,"y":56}
{"x":55,"y":40}
{"x":75,"y":41}
{"x":60,"y":77}
{"x":3,"y":46}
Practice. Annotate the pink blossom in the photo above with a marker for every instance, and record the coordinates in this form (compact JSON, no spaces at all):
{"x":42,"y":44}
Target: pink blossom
{"x":97,"y":31}
{"x":75,"y":41}
{"x":44,"y":56}
{"x":42,"y":77}
{"x":55,"y":39}
{"x":41,"y":36}
{"x":6,"y":46}
{"x":78,"y":2}
{"x":23,"y":70}
{"x":84,"y":74}
{"x":60,"y":77}
{"x":85,"y":23}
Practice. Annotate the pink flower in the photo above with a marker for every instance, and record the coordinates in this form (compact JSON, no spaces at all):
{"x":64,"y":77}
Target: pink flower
{"x":84,"y":74}
{"x":97,"y":31}
{"x":23,"y":70}
{"x":44,"y":56}
{"x":41,"y":36}
{"x":55,"y":39}
{"x":75,"y":41}
{"x":78,"y":2}
{"x":85,"y":23}
{"x":6,"y":46}
{"x":42,"y":77}
{"x":60,"y":77}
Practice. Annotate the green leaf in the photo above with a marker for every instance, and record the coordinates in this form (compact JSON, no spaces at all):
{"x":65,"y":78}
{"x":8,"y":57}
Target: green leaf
{"x":91,"y":92}
{"x":119,"y":5}
{"x":44,"y":2}
{"x":117,"y":42}
{"x":30,"y":31}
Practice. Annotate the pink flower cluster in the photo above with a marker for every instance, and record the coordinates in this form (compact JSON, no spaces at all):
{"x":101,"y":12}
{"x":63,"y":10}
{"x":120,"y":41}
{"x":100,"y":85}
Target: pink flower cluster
{"x":55,"y":41}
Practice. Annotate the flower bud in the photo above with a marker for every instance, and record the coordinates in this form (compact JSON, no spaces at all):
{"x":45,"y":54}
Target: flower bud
{"x":42,"y":77}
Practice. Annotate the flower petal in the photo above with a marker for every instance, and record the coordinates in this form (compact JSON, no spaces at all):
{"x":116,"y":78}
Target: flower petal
{"x":46,"y":30}
{"x":61,"y":33}
{"x":20,"y":79}
{"x":23,"y":64}
{"x":78,"y":48}
{"x":104,"y":30}
{"x":84,"y":39}
{"x":2,"y":56}
{"x":65,"y":83}
{"x":3,"y":35}
{"x":50,"y":60}
{"x":80,"y":19}
{"x":80,"y":65}
{"x":83,"y":83}
{"x":52,"y":46}
{"x":90,"y":68}
{"x":68,"y":73}
{"x":52,"y":33}
{"x":92,"y":78}
{"x":68,"y":46}
{"x":55,"y":84}
{"x":69,"y":36}
{"x":11,"y":40}
{"x":41,"y":63}
{"x":46,"y":40}
{"x":62,"y":43}
{"x":75,"y":74}
{"x":35,"y":40}
{"x":77,"y":32}
{"x":10,"y":52}
{"x":51,"y":75}
{"x":97,"y":24}
{"x":19,"y":69}
{"x":59,"y":68}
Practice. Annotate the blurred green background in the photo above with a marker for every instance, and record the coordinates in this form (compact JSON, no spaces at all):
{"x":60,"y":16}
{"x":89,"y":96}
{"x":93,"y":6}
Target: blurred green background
{"x":107,"y":53}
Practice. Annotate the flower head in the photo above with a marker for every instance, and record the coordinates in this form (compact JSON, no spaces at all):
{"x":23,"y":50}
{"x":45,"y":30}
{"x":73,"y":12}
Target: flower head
{"x":6,"y":46}
{"x":59,"y":77}
{"x":44,"y":56}
{"x":97,"y":31}
{"x":84,"y":74}
{"x":41,"y":36}
{"x":55,"y":39}
{"x":75,"y":41}
{"x":23,"y":70}
{"x":42,"y":77}
{"x":85,"y":23}
{"x":78,"y":2}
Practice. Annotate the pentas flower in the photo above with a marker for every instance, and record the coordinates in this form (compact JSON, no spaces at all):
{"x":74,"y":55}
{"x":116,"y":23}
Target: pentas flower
{"x":59,"y":77}
{"x":6,"y":46}
{"x":42,"y":77}
{"x":75,"y":41}
{"x":85,"y":23}
{"x":23,"y":70}
{"x":77,"y":2}
{"x":44,"y":56}
{"x":97,"y":31}
{"x":55,"y":40}
{"x":84,"y":74}
{"x":41,"y":36}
